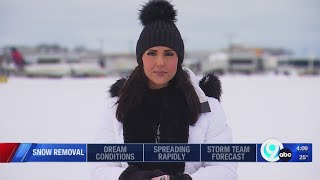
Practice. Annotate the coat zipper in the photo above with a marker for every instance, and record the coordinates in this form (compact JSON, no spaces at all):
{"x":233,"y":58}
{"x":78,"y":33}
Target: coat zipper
{"x":158,"y":134}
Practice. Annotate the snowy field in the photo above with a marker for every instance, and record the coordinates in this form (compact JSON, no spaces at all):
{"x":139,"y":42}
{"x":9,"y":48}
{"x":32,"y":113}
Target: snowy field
{"x":68,"y":111}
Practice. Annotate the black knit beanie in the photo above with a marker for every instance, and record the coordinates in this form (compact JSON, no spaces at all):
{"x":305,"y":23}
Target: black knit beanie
{"x":158,"y":18}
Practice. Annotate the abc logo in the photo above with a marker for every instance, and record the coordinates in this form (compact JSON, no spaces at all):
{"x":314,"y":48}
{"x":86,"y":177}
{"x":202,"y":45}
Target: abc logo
{"x":285,"y":154}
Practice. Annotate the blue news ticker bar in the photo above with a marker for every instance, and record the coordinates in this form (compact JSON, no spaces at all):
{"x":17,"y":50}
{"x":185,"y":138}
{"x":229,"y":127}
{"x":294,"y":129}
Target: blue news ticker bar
{"x":32,"y":152}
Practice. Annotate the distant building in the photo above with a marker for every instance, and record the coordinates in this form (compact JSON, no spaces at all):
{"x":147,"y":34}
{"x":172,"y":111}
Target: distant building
{"x":56,"y":61}
{"x":240,"y":59}
{"x":299,"y":66}
{"x":121,"y":64}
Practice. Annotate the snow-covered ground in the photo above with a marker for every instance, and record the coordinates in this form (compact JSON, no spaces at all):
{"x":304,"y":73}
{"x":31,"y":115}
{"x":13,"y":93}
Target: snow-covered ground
{"x":68,"y":111}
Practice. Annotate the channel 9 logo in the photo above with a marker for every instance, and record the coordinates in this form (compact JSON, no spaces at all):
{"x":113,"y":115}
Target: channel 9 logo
{"x":272,"y":150}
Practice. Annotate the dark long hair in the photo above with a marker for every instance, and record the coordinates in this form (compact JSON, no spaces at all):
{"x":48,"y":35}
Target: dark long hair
{"x":131,"y":93}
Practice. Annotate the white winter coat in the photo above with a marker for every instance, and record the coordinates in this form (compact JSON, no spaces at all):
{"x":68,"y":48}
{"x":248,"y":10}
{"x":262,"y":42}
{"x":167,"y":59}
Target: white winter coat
{"x":211,"y":128}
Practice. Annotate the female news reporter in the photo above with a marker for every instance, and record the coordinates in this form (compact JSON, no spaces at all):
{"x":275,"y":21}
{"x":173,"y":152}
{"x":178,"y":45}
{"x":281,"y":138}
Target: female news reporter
{"x":161,"y":102}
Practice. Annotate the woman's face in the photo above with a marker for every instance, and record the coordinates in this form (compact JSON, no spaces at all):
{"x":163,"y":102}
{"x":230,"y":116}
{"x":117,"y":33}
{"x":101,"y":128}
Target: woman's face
{"x":160,"y":65}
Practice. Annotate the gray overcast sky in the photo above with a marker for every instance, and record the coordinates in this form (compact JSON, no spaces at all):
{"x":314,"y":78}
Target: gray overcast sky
{"x":292,"y":24}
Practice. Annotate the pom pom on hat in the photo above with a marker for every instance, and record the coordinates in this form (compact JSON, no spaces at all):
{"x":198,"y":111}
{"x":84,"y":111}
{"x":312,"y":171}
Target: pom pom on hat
{"x":158,"y":18}
{"x":157,"y":10}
